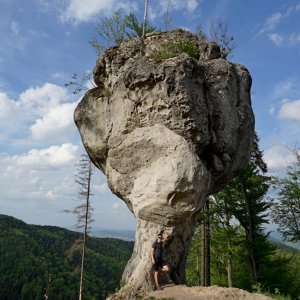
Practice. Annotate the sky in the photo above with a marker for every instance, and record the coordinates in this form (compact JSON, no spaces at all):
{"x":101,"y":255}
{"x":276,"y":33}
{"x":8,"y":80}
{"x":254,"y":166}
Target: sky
{"x":43,"y":42}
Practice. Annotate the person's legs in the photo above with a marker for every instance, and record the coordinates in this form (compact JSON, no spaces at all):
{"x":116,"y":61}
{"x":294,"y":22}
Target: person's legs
{"x":157,"y":265}
{"x":156,"y":279}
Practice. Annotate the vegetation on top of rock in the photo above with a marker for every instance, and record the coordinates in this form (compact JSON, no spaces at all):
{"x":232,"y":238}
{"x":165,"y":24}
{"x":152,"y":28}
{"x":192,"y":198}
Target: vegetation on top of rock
{"x":174,"y":48}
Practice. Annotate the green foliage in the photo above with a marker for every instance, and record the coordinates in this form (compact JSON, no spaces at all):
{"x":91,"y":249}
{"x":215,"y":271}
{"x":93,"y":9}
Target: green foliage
{"x":80,"y":83}
{"x":243,"y":201}
{"x":34,"y":258}
{"x":112,"y":29}
{"x":286,"y":206}
{"x":134,"y":29}
{"x":174,"y":48}
{"x":249,"y":206}
{"x":201,"y":34}
{"x":116,"y":28}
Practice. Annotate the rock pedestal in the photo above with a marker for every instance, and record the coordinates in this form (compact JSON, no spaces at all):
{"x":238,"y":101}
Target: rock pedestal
{"x":166,"y":132}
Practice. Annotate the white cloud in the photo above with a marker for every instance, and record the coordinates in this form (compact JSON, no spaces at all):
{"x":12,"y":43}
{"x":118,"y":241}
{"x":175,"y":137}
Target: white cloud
{"x":14,"y":26}
{"x":101,"y":188}
{"x":39,"y":111}
{"x":7,"y":107}
{"x":159,"y":8}
{"x":294,"y":38}
{"x":54,"y":156}
{"x":189,"y":5}
{"x":57,"y":123}
{"x":290,"y":110}
{"x":58,"y":75}
{"x":276,"y":38}
{"x":45,"y":174}
{"x":287,"y":88}
{"x":119,"y":207}
{"x":78,"y":11}
{"x":192,"y":5}
{"x":272,"y":22}
{"x":116,"y":205}
{"x":44,"y":97}
{"x":272,"y":109}
{"x":278,"y":157}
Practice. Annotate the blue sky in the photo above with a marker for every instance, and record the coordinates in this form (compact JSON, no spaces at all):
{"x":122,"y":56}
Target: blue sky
{"x":43,"y":42}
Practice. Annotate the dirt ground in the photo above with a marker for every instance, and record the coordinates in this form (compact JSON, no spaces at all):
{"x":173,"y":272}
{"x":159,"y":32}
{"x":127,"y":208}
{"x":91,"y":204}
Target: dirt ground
{"x":181,"y":292}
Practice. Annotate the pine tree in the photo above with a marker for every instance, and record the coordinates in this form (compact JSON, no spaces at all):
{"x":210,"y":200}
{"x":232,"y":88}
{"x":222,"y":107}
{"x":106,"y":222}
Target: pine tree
{"x":248,"y":204}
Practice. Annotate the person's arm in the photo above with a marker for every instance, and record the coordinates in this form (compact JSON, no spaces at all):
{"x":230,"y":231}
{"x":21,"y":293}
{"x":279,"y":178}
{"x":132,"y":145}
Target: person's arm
{"x":152,"y":253}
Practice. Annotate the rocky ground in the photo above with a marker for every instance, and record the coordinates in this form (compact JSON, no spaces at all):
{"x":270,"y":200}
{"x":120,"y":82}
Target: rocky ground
{"x":182,"y":292}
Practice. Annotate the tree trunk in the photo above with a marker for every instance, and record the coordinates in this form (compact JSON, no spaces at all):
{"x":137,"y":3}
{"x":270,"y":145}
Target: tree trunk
{"x":229,"y":265}
{"x":86,"y":219}
{"x":145,"y":19}
{"x":229,"y":244}
{"x":249,"y":235}
{"x":205,"y":247}
{"x":138,"y":273}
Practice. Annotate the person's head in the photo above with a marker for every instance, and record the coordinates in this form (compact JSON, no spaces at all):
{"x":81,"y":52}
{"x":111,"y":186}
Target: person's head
{"x":159,"y":237}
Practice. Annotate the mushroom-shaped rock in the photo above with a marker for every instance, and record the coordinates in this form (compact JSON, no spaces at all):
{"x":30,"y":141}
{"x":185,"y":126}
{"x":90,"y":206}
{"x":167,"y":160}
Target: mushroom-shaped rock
{"x":167,"y":132}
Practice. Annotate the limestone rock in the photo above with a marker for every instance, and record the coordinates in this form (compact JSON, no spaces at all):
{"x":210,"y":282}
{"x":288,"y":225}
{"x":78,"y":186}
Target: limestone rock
{"x":167,"y":132}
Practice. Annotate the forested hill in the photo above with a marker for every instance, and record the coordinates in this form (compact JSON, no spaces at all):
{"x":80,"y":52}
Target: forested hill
{"x":35,"y":259}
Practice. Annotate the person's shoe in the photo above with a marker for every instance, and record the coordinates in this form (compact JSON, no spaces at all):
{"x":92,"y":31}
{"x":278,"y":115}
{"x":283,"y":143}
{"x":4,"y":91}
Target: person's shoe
{"x":159,"y":288}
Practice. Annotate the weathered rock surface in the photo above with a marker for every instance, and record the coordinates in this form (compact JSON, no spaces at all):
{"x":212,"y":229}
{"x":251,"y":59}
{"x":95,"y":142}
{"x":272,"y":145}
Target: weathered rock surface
{"x":205,"y":293}
{"x":167,"y":133}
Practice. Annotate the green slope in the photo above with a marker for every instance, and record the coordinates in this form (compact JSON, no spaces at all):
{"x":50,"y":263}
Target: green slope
{"x":31,"y":254}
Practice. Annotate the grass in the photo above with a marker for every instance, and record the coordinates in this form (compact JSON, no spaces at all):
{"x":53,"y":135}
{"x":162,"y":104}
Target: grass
{"x":259,"y":288}
{"x":175,"y":48}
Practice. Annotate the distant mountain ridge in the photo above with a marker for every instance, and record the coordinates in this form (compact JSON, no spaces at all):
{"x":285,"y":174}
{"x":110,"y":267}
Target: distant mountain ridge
{"x":127,"y":235}
{"x":37,"y":259}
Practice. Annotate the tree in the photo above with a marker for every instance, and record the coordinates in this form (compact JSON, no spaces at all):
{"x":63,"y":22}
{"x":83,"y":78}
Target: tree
{"x":145,"y":19}
{"x":248,"y":205}
{"x":113,"y":30}
{"x":80,"y":84}
{"x":204,"y":220}
{"x":286,"y":206}
{"x":118,"y":27}
{"x":219,"y":34}
{"x":223,"y":227}
{"x":168,"y":18}
{"x":83,"y":211}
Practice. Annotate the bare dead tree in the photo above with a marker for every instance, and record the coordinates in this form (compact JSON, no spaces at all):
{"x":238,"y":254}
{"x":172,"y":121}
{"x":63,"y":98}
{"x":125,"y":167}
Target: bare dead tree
{"x":168,"y":18}
{"x":219,"y":33}
{"x":145,"y":18}
{"x":82,"y":211}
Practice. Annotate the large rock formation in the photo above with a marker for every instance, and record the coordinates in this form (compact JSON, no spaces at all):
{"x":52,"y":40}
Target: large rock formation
{"x":166,"y":132}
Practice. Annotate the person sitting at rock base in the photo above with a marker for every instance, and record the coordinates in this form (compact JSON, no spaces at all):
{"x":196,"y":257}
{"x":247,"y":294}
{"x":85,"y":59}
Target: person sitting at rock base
{"x":157,"y":258}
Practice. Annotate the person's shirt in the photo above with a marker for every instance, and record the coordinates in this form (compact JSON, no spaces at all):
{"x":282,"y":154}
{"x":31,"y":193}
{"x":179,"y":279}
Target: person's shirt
{"x":158,"y":249}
